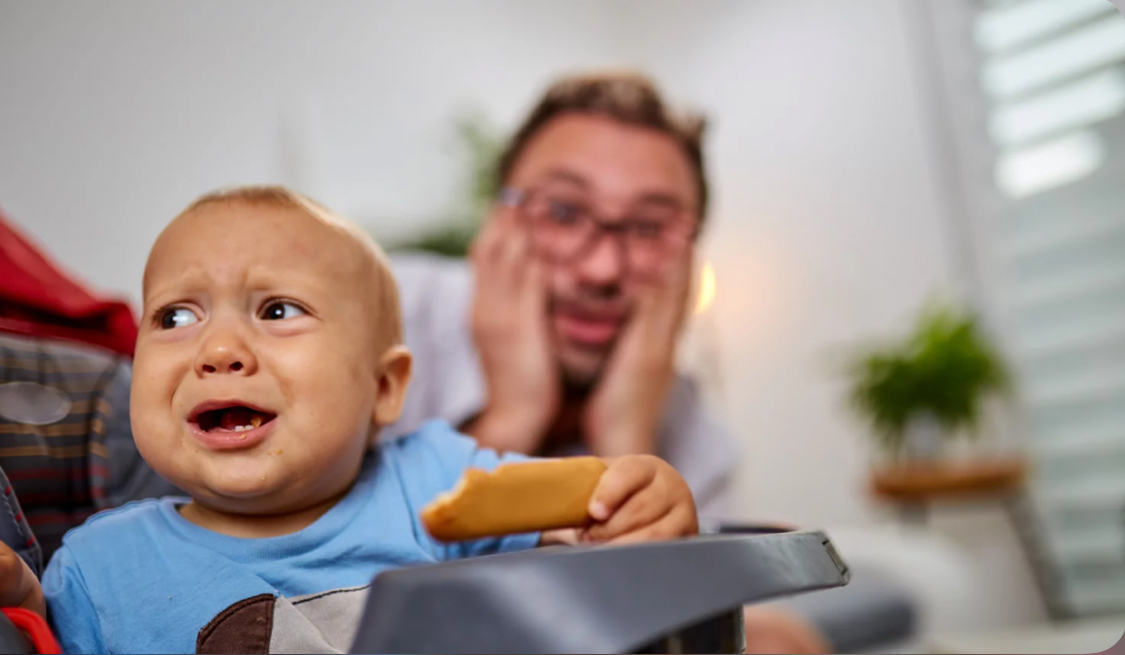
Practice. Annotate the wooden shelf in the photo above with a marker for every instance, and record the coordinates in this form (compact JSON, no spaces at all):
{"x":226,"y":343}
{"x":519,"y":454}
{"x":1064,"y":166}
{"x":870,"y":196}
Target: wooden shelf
{"x":953,"y":480}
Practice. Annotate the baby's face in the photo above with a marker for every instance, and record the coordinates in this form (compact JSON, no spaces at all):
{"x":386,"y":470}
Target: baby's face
{"x":257,"y":366}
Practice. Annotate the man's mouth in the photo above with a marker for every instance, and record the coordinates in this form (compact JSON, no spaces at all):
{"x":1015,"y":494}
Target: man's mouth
{"x":587,"y":328}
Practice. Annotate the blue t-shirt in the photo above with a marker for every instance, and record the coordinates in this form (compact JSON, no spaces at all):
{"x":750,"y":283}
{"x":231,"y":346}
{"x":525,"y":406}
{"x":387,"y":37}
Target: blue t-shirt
{"x":142,"y":579}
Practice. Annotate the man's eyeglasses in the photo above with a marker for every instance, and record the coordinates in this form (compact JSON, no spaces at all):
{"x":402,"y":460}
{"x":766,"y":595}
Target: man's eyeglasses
{"x":564,"y":229}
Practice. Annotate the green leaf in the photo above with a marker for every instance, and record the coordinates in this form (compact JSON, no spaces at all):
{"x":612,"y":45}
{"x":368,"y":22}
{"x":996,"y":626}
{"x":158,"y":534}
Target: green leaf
{"x":482,"y":144}
{"x":945,"y":367}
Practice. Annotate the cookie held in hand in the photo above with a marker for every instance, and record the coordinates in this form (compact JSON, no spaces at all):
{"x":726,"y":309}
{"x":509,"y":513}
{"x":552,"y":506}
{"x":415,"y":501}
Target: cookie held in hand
{"x":516,"y":498}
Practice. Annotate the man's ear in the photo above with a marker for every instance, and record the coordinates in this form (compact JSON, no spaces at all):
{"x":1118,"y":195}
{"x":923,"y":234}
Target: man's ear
{"x":395,"y":367}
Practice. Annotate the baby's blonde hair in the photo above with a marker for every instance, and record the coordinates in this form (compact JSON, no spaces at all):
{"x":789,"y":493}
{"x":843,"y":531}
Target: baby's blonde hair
{"x":387,"y":306}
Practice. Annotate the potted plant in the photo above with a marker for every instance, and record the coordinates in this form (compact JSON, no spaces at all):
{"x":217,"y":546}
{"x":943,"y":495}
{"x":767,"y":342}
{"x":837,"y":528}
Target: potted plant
{"x":482,"y":144}
{"x":930,"y":387}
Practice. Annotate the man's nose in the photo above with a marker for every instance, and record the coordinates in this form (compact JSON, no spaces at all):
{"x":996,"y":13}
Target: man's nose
{"x":606,"y":262}
{"x":225,"y":351}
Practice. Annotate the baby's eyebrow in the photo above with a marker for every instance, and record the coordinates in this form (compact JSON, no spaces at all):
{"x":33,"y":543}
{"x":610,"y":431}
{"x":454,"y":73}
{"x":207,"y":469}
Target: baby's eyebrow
{"x":296,"y":280}
{"x":188,"y":281}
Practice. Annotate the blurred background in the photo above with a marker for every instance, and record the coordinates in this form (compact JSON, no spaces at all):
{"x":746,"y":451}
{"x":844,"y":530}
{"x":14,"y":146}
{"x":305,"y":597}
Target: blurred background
{"x":866,"y":156}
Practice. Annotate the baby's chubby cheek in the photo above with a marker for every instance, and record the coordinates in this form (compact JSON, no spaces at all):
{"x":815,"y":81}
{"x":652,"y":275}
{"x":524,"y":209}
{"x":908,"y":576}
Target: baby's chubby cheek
{"x":150,"y":410}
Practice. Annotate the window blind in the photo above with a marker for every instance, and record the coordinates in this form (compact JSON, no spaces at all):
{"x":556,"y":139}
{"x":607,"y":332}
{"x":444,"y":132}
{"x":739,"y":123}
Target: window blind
{"x":1044,"y":89}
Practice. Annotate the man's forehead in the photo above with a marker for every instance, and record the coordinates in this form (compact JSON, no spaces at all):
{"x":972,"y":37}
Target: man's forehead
{"x":613,"y":189}
{"x":622,"y":162}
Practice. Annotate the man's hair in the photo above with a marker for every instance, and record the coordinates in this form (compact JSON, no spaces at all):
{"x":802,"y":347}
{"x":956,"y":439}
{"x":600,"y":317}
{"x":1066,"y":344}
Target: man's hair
{"x":628,"y":97}
{"x":388,"y":305}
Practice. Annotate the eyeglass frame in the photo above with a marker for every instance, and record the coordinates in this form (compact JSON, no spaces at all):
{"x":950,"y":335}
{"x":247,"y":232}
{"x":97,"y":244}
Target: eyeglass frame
{"x":515,"y":198}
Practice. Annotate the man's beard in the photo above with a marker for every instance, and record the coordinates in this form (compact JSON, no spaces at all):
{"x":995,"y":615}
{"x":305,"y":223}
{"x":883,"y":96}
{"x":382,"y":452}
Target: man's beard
{"x":584,"y":367}
{"x":583,"y":377}
{"x":579,"y":381}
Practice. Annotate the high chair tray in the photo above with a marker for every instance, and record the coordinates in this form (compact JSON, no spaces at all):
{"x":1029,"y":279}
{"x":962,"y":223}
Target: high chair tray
{"x":625,"y":599}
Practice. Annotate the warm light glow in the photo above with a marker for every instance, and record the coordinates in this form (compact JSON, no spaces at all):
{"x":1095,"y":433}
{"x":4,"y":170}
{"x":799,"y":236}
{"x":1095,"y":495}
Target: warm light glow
{"x":706,"y":288}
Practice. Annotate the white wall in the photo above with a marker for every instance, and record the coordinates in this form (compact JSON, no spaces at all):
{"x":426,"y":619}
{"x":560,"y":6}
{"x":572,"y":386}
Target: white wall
{"x":826,"y":229}
{"x":116,"y":115}
{"x":829,"y":230}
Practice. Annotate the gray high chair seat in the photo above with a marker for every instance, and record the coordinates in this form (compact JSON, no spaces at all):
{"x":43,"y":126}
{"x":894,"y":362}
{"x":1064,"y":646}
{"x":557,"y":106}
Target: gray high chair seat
{"x":682,"y":596}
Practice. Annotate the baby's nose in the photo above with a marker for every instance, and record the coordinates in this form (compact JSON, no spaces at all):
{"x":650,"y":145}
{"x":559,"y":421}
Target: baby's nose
{"x":233,"y":367}
{"x":222,"y":355}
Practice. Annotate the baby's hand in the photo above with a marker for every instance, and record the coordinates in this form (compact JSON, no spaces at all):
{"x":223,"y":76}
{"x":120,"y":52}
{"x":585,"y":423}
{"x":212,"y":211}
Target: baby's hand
{"x":18,"y":585}
{"x":640,"y":498}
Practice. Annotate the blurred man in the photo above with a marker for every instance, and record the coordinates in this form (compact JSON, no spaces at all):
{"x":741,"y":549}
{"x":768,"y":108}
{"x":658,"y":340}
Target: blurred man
{"x":561,"y":337}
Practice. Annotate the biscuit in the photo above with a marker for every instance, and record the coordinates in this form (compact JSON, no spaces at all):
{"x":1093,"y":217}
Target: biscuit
{"x":516,"y":498}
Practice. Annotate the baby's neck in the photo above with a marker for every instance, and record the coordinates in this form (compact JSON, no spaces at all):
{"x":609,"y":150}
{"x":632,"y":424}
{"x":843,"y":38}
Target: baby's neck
{"x":254,"y":526}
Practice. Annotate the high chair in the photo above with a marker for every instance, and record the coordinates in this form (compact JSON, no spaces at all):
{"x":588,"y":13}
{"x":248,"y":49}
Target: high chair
{"x":683,"y":596}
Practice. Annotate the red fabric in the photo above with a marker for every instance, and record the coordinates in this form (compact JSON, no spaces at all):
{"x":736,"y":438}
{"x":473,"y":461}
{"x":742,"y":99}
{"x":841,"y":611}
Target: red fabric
{"x":38,"y":299}
{"x":36,"y":629}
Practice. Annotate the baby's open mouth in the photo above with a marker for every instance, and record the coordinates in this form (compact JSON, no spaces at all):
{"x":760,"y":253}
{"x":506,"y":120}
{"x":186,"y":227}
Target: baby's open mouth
{"x":237,"y":418}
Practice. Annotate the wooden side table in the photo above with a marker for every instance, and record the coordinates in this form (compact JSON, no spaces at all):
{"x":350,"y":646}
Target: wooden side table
{"x":915,"y":487}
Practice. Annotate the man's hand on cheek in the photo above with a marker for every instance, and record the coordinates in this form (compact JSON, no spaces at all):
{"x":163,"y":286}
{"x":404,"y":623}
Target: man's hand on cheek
{"x":625,"y":411}
{"x":510,"y":330}
{"x":640,"y":498}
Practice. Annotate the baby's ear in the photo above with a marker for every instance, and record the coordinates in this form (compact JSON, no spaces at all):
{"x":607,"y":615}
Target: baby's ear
{"x":394,"y":376}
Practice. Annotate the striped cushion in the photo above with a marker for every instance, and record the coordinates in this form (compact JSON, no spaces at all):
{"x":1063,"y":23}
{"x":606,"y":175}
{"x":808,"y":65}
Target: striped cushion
{"x":85,"y":459}
{"x":15,"y":531}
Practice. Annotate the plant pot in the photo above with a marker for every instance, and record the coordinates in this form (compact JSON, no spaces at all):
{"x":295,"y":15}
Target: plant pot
{"x":923,"y":440}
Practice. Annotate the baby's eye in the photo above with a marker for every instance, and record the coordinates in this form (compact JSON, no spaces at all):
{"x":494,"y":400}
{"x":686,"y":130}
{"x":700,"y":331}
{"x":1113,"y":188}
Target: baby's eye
{"x":278,"y":310}
{"x":175,"y":317}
